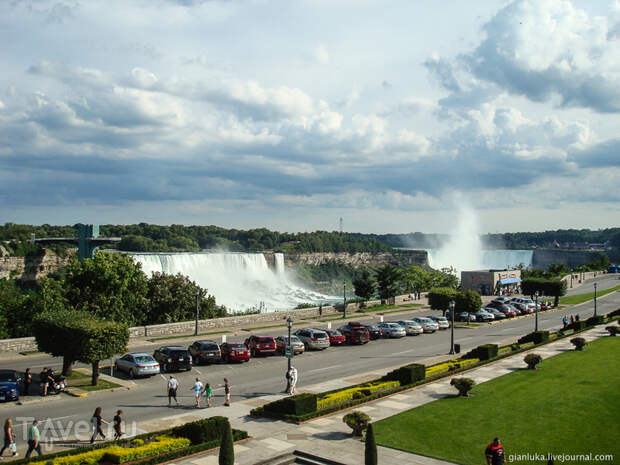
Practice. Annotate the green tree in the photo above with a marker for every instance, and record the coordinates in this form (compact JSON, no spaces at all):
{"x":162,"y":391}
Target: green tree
{"x":388,"y":278}
{"x":364,"y":285}
{"x":544,"y":287}
{"x":110,"y":286}
{"x":12,"y":301}
{"x":227,"y":451}
{"x":440,"y":298}
{"x":370,"y":448}
{"x":467,"y":301}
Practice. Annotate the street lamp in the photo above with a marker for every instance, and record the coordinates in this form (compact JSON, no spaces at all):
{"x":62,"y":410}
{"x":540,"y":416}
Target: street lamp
{"x":197,"y":310}
{"x":536,"y":305}
{"x":595,"y":299}
{"x":289,"y":351}
{"x":451,"y":305}
{"x":344,"y":291}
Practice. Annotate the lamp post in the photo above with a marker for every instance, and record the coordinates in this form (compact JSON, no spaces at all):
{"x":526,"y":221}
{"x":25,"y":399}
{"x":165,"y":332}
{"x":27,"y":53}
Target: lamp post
{"x":595,"y":299}
{"x":536,"y":305}
{"x":344,"y":292}
{"x":197,"y":310}
{"x":289,"y":351}
{"x":451,"y":305}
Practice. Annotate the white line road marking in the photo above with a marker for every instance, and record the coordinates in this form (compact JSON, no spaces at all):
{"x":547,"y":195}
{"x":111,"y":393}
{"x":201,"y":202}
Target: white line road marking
{"x":198,"y":371}
{"x":404,"y":352}
{"x":323,"y":369}
{"x":163,"y":377}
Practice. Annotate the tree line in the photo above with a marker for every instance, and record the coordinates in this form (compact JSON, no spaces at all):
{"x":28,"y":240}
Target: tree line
{"x":111,"y":287}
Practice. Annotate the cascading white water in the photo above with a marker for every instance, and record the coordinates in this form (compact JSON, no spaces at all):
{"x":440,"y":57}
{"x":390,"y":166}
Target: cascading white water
{"x":490,"y":259}
{"x":237,"y":280}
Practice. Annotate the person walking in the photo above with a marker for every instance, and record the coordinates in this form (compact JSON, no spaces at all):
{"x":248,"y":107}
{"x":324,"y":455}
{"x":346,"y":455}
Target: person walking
{"x":208,"y":394}
{"x":9,"y":438}
{"x":564,"y":322}
{"x":197,"y":388}
{"x":495,"y":453}
{"x":118,"y":425}
{"x":572,"y":319}
{"x":27,"y":381}
{"x":34,"y":439}
{"x":173,"y":385}
{"x":43,"y":382}
{"x":97,"y":422}
{"x":226,"y":392}
{"x":293,"y":380}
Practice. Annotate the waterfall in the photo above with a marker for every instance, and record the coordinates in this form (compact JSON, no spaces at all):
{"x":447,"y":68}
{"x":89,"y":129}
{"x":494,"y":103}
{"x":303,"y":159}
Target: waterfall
{"x":239,"y":281}
{"x":485,"y":259}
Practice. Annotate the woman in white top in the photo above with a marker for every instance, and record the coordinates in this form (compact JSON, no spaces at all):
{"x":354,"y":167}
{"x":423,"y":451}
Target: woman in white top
{"x":197,"y":388}
{"x":293,"y":379}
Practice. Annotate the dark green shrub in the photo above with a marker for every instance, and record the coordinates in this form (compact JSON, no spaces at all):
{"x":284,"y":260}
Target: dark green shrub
{"x":484,"y":352}
{"x":299,"y":404}
{"x":578,"y":342}
{"x":358,"y":395}
{"x":613,"y":330}
{"x":464,"y":385}
{"x":514,"y":347}
{"x":537,"y":337}
{"x":227,"y":451}
{"x":370,"y":448}
{"x":532,"y":360}
{"x":209,"y":429}
{"x":595,"y":320}
{"x":577,"y":325}
{"x":408,"y":374}
{"x":357,"y":421}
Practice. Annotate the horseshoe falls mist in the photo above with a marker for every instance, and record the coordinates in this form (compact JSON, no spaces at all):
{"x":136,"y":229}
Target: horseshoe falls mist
{"x":239,"y":281}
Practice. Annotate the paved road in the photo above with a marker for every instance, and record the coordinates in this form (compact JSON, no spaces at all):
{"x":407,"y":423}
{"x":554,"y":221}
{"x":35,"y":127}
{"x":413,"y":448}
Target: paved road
{"x":603,"y":282}
{"x":262,"y":376}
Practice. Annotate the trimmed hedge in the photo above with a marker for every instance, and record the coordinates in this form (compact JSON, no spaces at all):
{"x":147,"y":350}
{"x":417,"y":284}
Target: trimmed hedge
{"x":300,"y":404}
{"x":207,"y":430}
{"x":483,"y":352}
{"x":537,"y":337}
{"x":577,"y":325}
{"x":408,"y":374}
{"x":595,"y":320}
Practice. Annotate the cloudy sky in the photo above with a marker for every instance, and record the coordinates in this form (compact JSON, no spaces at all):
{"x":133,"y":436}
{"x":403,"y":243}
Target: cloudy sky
{"x":292,"y":114}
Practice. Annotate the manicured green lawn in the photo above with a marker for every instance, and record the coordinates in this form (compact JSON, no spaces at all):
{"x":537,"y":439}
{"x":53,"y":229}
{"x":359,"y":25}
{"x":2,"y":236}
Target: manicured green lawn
{"x":571,"y":405}
{"x":581,"y":298}
{"x":82,"y":381}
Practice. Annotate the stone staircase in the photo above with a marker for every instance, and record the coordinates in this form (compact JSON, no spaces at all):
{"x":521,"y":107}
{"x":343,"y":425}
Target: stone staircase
{"x":298,"y":456}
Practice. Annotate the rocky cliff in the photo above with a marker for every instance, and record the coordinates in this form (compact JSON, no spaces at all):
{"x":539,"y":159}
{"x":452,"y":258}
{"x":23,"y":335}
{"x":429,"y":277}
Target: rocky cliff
{"x":31,"y":268}
{"x":399,"y":257}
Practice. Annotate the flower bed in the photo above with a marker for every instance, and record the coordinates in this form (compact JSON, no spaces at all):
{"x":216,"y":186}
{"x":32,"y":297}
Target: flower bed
{"x":450,"y":365}
{"x":359,"y":392}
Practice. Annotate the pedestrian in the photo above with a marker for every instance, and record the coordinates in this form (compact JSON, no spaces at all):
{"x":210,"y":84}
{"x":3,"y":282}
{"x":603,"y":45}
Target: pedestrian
{"x":173,"y":385}
{"x":34,"y":439}
{"x":43,"y":382}
{"x":208,"y":394}
{"x":9,"y":438}
{"x":118,"y":425}
{"x":320,"y":310}
{"x":572,"y":319}
{"x":197,"y":388}
{"x":495,"y":453}
{"x":226,"y":392}
{"x":97,"y":422}
{"x":577,"y":317}
{"x":564,"y":322}
{"x":27,"y":381}
{"x":293,"y":380}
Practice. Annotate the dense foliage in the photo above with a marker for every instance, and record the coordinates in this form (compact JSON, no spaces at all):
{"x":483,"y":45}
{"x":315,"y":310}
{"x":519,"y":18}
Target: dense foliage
{"x":544,"y":287}
{"x":439,"y":298}
{"x":364,"y":285}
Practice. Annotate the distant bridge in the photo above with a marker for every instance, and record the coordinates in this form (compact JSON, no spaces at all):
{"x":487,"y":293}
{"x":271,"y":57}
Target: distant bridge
{"x":87,"y":241}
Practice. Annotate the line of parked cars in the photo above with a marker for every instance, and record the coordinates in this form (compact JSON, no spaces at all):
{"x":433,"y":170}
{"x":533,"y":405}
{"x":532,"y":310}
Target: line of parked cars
{"x":177,"y":358}
{"x":501,"y":308}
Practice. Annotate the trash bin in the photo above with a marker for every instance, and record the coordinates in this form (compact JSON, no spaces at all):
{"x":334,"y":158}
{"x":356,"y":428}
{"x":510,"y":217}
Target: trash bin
{"x":457,"y":348}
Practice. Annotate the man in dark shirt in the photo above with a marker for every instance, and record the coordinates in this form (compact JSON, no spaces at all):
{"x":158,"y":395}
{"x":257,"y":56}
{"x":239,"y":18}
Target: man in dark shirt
{"x":43,"y":381}
{"x":495,"y":453}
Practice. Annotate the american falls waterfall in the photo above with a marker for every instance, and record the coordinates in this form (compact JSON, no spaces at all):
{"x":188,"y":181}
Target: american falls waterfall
{"x":240,"y":281}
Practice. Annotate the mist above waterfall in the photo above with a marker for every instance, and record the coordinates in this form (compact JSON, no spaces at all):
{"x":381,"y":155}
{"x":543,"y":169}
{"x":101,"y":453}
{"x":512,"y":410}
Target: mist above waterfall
{"x":240,"y":281}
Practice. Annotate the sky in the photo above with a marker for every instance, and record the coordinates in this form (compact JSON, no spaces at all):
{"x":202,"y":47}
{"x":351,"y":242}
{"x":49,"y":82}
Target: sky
{"x":293,"y":114}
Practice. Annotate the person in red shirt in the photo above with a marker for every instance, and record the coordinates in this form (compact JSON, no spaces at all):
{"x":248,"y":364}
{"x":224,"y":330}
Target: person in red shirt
{"x":495,"y":453}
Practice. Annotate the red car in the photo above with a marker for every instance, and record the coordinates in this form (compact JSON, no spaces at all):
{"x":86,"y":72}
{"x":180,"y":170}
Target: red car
{"x":261,"y":345}
{"x":234,"y":352}
{"x":335,"y":337}
{"x":355,"y":334}
{"x":506,"y":310}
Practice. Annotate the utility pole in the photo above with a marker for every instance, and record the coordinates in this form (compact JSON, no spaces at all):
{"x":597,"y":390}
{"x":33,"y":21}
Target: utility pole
{"x":452,"y":327}
{"x":595,"y":299}
{"x":197,"y":311}
{"x":344,"y":291}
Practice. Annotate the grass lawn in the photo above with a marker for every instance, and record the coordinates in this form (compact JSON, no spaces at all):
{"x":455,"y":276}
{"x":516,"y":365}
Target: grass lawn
{"x":581,"y":298}
{"x":571,"y":405}
{"x":82,"y":381}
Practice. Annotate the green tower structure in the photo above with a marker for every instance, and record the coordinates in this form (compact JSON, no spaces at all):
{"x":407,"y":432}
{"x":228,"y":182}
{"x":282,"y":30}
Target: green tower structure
{"x":87,"y":241}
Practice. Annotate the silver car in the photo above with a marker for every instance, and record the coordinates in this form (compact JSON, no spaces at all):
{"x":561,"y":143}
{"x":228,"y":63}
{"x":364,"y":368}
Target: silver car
{"x":441,"y":321}
{"x":428,"y":325}
{"x":392,"y":330}
{"x":313,"y":338}
{"x":296,"y":345}
{"x":412,"y":328}
{"x":137,"y":365}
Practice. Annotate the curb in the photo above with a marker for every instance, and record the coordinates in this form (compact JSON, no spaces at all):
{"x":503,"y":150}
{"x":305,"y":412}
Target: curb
{"x":76,"y":394}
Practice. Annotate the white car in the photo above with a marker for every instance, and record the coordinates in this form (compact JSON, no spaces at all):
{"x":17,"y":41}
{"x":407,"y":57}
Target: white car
{"x":392,"y":330}
{"x":411,"y":327}
{"x":428,"y":325}
{"x":441,"y":321}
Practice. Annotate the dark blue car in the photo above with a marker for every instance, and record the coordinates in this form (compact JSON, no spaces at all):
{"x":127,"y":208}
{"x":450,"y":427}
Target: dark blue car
{"x":9,"y":385}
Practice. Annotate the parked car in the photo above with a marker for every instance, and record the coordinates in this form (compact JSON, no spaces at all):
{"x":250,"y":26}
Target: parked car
{"x":483,"y":315}
{"x":411,"y":327}
{"x":355,"y":334}
{"x":495,"y":304}
{"x":509,"y":311}
{"x":137,"y":364}
{"x":519,"y":309}
{"x":234,"y":352}
{"x":441,"y":321}
{"x":205,"y":352}
{"x":336,"y":338}
{"x":502,"y":300}
{"x":296,"y":345}
{"x":173,"y":358}
{"x":9,"y":385}
{"x":374,"y":331}
{"x":392,"y":330}
{"x":428,"y":325}
{"x":315,"y":339}
{"x":464,"y":316}
{"x":496,"y":313}
{"x":261,"y":345}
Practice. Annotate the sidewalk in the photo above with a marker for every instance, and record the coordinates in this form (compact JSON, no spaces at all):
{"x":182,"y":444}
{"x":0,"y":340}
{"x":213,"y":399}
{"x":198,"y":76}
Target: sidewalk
{"x":328,"y":436}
